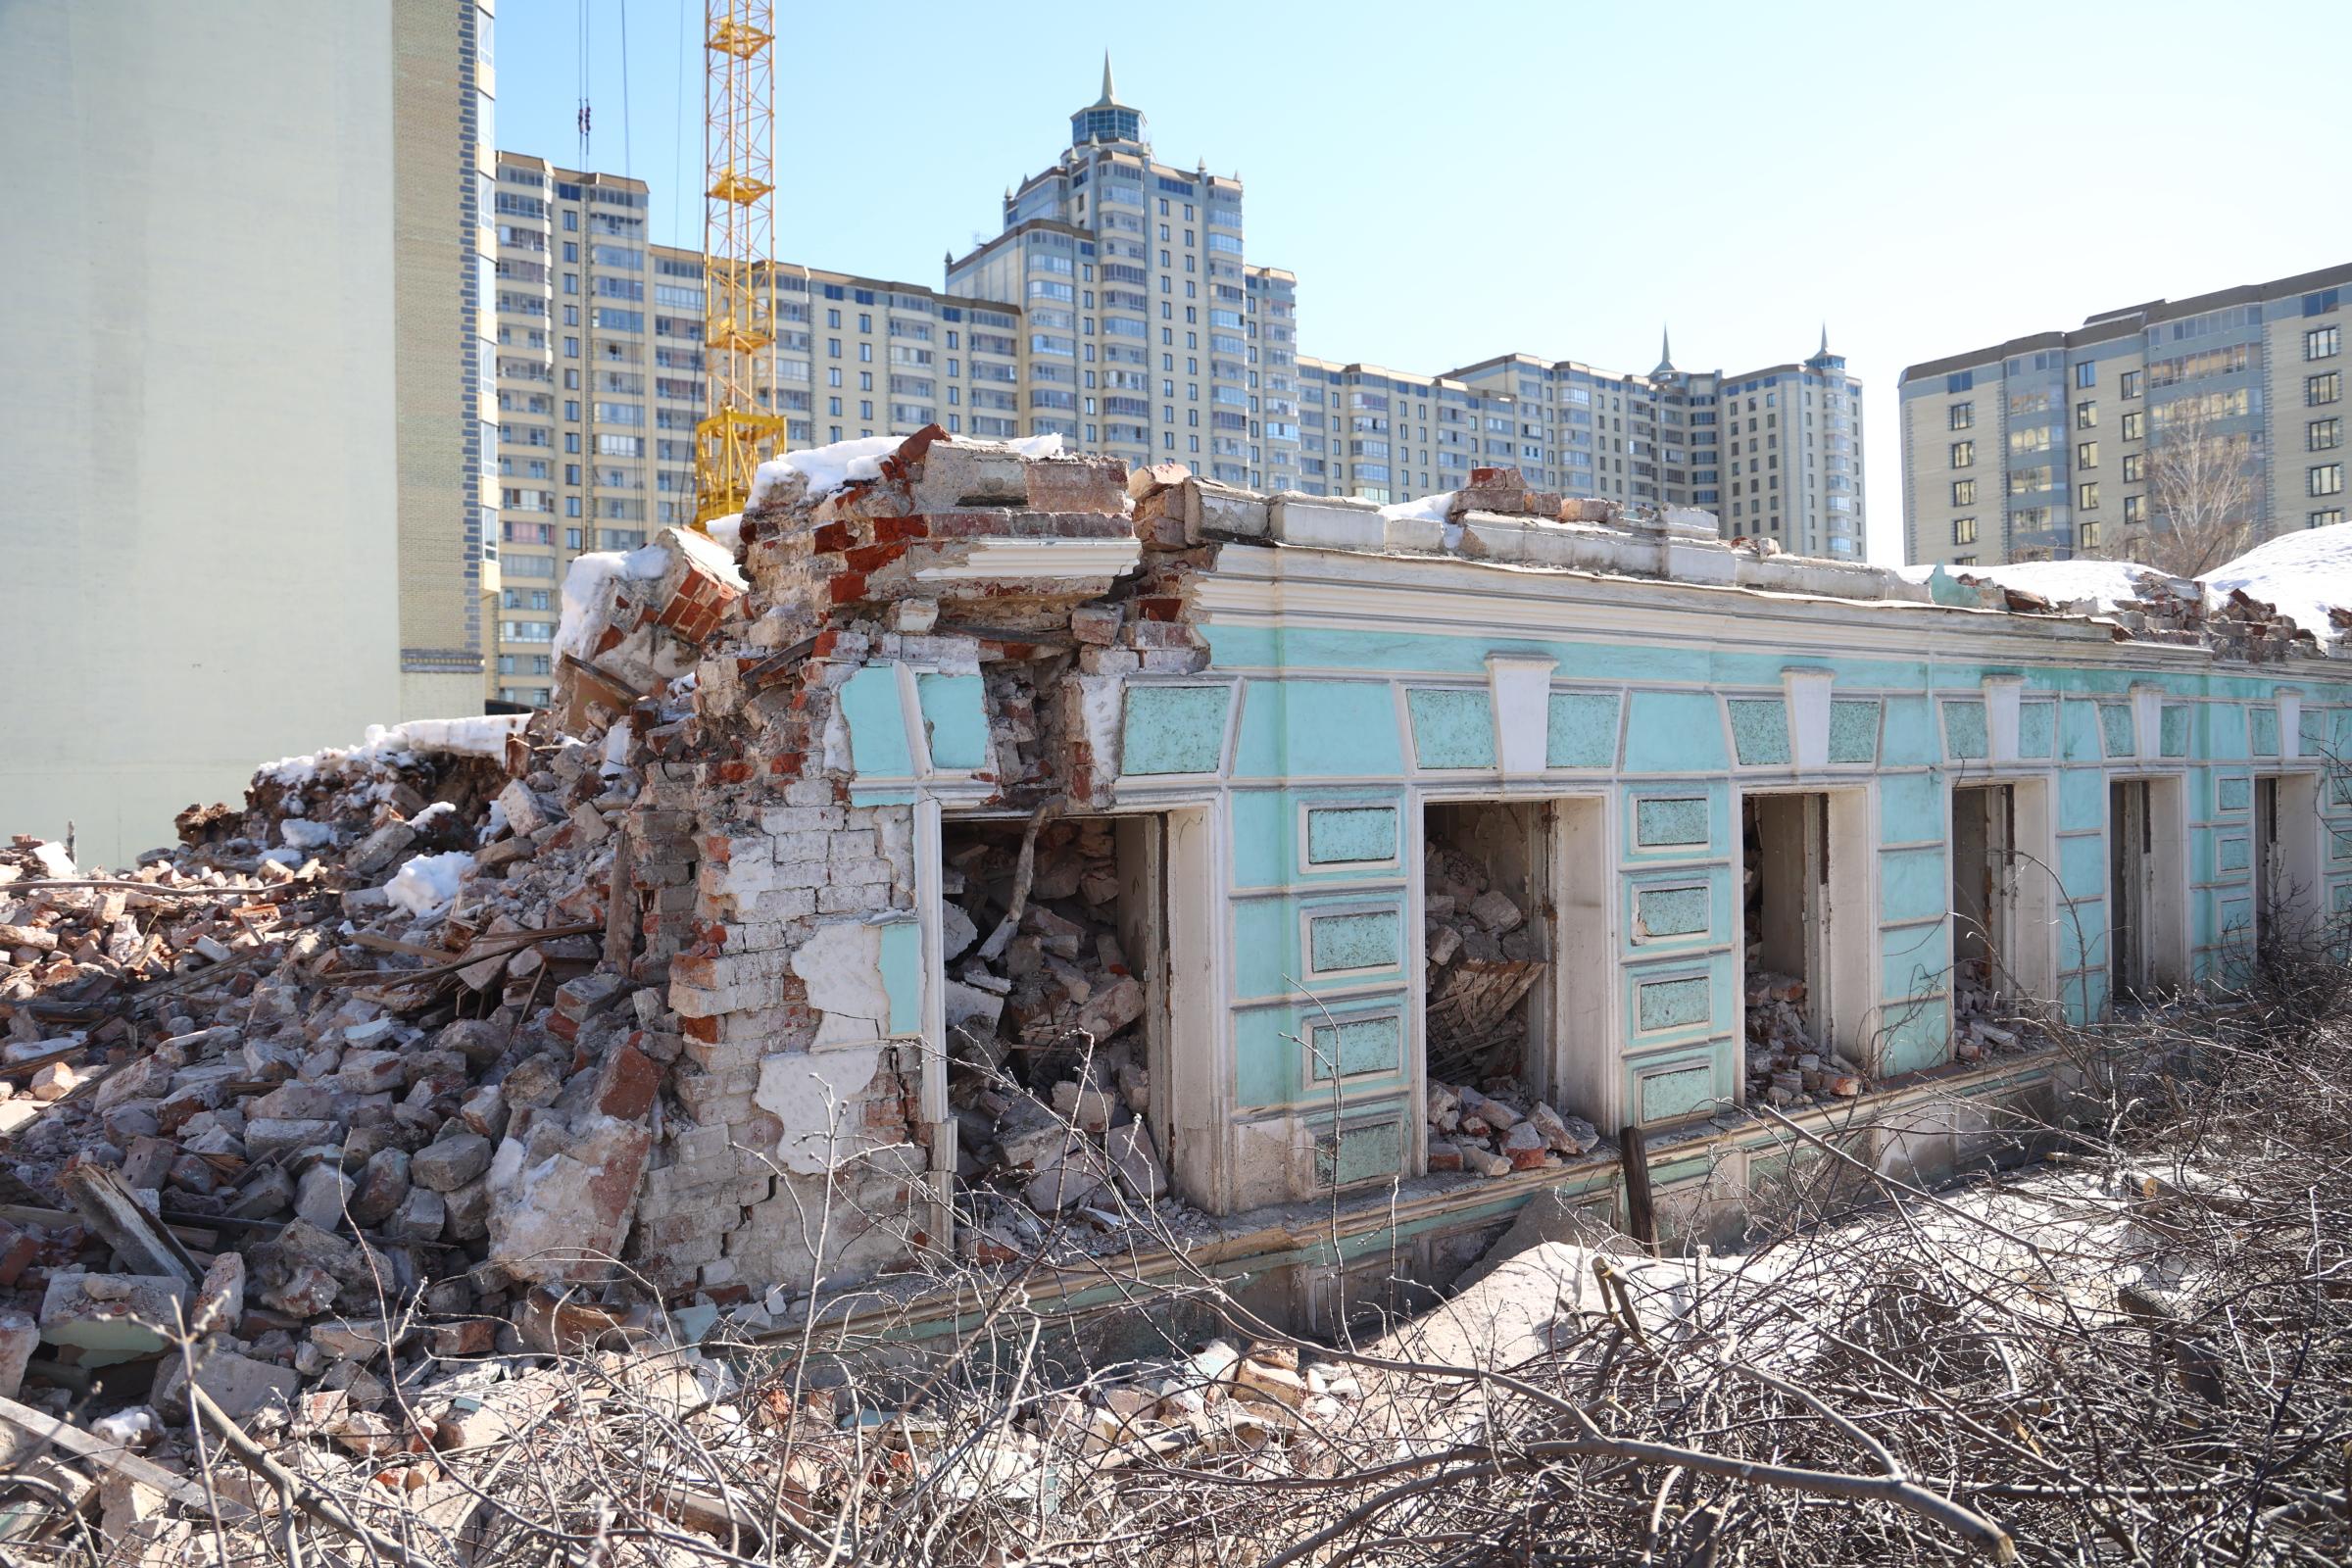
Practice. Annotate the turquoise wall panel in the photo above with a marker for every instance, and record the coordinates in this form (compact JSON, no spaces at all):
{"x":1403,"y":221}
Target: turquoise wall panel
{"x":1370,"y":939}
{"x":1670,"y":912}
{"x":1346,"y":1047}
{"x":2233,"y":792}
{"x":2082,"y":934}
{"x":1174,"y":729}
{"x":1272,"y":1055}
{"x":1674,"y":732}
{"x":2115,"y":729}
{"x":1910,"y":739}
{"x":1584,"y":730}
{"x":2224,"y":731}
{"x":1853,"y":730}
{"x":2079,"y":732}
{"x":2311,"y":728}
{"x":1265,"y":948}
{"x":1667,"y":821}
{"x":1318,"y":729}
{"x":1910,"y":808}
{"x":1759,"y":730}
{"x":1261,"y":837}
{"x":869,"y":704}
{"x":1337,"y":834}
{"x":2082,"y":800}
{"x":1914,"y":1038}
{"x":955,"y":718}
{"x":2036,"y":726}
{"x":901,"y":966}
{"x":2083,"y":867}
{"x":2265,"y":721}
{"x":1452,"y":729}
{"x":1361,"y":1151}
{"x":2173,"y":723}
{"x":1913,"y":884}
{"x":1671,"y":1093}
{"x":1914,"y":961}
{"x":2232,"y":852}
{"x":1964,"y":737}
{"x":1682,"y":1003}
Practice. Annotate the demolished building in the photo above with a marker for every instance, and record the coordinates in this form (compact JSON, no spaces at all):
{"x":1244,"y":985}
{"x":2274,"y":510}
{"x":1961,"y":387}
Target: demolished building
{"x":968,"y":842}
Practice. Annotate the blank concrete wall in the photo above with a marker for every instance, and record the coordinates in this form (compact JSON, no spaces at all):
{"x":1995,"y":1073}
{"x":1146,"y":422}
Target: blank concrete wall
{"x":197,"y":525}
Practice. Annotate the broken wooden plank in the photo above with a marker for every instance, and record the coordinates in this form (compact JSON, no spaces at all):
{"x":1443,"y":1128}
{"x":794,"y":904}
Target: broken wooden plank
{"x":111,"y":1210}
{"x":35,"y":1429}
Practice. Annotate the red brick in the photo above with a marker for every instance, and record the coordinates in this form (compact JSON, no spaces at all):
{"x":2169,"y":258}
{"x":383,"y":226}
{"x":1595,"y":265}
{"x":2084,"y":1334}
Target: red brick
{"x":704,"y":1030}
{"x":847,"y":588}
{"x":873,"y":557}
{"x":891,"y":530}
{"x":831,"y":538}
{"x":626,"y":1085}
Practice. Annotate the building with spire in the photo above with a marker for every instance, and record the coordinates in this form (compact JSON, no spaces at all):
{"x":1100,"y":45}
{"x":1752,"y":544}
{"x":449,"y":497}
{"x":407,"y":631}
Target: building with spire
{"x":1150,"y":334}
{"x":1775,"y":453}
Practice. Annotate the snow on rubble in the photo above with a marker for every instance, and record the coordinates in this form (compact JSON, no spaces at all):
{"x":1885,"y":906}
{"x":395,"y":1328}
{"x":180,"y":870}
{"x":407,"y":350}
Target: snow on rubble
{"x":829,"y":467}
{"x":2306,"y":575}
{"x":480,"y":735}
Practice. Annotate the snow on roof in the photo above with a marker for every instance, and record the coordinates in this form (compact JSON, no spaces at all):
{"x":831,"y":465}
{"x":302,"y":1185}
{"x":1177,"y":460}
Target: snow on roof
{"x":1429,"y":509}
{"x":829,"y":467}
{"x":2105,"y":583}
{"x":2303,"y":574}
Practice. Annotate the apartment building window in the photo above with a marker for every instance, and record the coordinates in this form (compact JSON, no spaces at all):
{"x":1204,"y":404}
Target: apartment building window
{"x":2328,"y":519}
{"x":2323,"y":435}
{"x":1964,"y":530}
{"x":2323,"y":479}
{"x":1964,"y":492}
{"x":2087,"y":454}
{"x":2086,"y":495}
{"x":1963,"y":416}
{"x":2320,"y":390}
{"x":2135,"y":426}
{"x":2087,"y":536}
{"x":2322,"y":342}
{"x":2128,"y":384}
{"x":1964,"y":454}
{"x":2136,"y":510}
{"x":2086,"y":416}
{"x":2134,"y":463}
{"x":2086,"y":374}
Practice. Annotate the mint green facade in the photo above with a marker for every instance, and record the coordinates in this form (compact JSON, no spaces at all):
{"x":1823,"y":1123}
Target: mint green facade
{"x":1344,"y":693}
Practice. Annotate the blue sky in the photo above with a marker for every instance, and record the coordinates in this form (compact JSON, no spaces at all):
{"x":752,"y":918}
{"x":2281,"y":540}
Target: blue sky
{"x":1558,"y":178}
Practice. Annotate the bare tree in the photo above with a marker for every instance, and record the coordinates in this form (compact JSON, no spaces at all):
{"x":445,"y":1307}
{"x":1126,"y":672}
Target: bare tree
{"x":2204,"y":498}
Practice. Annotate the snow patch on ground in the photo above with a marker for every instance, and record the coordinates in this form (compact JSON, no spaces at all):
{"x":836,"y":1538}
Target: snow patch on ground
{"x":301,"y":833}
{"x":428,"y":883}
{"x":2303,"y":573}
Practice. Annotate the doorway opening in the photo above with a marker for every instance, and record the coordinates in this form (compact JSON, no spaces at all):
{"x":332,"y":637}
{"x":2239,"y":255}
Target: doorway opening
{"x":1803,"y":989}
{"x":2146,"y":889}
{"x":1509,"y":890}
{"x":1055,"y":985}
{"x":2001,"y":893}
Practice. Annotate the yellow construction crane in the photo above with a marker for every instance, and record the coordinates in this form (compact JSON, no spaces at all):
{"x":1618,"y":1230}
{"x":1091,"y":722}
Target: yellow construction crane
{"x":739,"y":238}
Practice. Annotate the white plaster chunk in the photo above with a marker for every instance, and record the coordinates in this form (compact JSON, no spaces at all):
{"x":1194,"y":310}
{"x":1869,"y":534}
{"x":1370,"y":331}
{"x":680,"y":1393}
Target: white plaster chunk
{"x":812,"y":1093}
{"x":842,"y":966}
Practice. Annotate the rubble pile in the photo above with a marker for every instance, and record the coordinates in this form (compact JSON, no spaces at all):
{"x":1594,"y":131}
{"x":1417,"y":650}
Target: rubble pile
{"x":1983,"y":1023}
{"x":1785,"y":1066}
{"x":1483,"y":958}
{"x":1048,"y":1082}
{"x":348,"y":1045}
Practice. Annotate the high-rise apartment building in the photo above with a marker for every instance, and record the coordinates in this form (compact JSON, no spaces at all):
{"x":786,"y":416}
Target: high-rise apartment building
{"x":2046,"y":446}
{"x":242,"y":474}
{"x":600,"y":383}
{"x":1776,"y":452}
{"x":1149,"y":337}
{"x":1117,"y":309}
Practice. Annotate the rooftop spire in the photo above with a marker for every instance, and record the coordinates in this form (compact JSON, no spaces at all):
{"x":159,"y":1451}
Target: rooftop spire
{"x":1665,"y":351}
{"x":1110,"y":94}
{"x":1825,"y":340}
